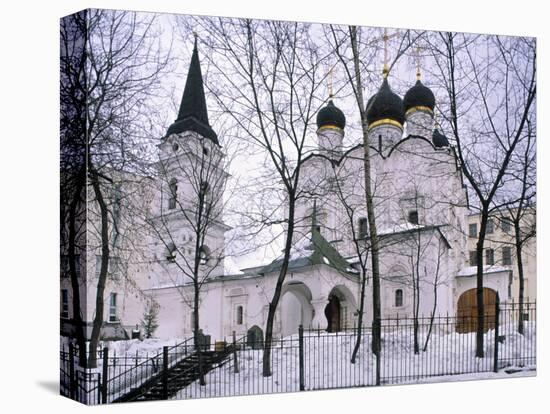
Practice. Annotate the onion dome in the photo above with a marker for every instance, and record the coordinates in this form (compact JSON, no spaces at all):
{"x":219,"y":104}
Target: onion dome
{"x":385,"y":107}
{"x":332,"y":116}
{"x":419,"y":97}
{"x":439,"y":140}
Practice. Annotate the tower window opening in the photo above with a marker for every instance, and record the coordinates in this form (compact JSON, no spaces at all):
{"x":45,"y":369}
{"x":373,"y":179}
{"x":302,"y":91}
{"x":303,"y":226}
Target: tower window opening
{"x":399,"y":298}
{"x":413,"y":217}
{"x":239,"y":316}
{"x":173,"y":187}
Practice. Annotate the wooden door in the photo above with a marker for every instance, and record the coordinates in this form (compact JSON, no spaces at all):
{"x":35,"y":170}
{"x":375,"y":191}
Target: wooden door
{"x":467,"y":310}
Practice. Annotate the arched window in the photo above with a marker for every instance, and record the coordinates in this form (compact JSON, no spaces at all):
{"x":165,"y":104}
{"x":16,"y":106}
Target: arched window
{"x":173,"y":194}
{"x":204,"y":191}
{"x":398,"y":298}
{"x":239,"y":315}
{"x":363,"y":228}
{"x":204,"y":255}
{"x":171,"y":252}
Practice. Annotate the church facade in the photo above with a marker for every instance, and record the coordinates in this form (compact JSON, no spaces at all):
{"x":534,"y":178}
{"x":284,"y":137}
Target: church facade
{"x":421,"y":204}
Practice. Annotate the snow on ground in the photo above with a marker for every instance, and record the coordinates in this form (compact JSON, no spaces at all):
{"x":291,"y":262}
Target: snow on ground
{"x":449,"y":357}
{"x":131,"y":362}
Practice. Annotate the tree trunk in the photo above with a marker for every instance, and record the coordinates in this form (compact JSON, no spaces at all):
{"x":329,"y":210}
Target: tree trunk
{"x":266,"y":361}
{"x":369,"y":201}
{"x":480,"y":352}
{"x":519,"y":259}
{"x":99,"y":305}
{"x":360,"y":317}
{"x":76,"y":202}
{"x":197,"y":335}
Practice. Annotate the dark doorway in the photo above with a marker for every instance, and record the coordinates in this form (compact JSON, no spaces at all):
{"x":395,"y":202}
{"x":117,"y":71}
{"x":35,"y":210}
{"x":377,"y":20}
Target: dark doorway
{"x":332,"y":312}
{"x":255,"y":338}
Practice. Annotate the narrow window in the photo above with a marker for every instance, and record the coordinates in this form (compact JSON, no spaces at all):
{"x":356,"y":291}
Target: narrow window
{"x":363,"y":228}
{"x":379,"y":143}
{"x":490,"y":227}
{"x":472,"y":230}
{"x":490,"y":257}
{"x":398,"y":298}
{"x":97,"y":265}
{"x":506,"y":224}
{"x":117,"y":203}
{"x":473,"y":258}
{"x":114,"y":268}
{"x":171,"y":252}
{"x":239,"y":315}
{"x":204,"y":255}
{"x":506,"y":255}
{"x":64,"y":303}
{"x":173,"y":194}
{"x":192,"y":321}
{"x":112,"y":307}
{"x":413,"y":217}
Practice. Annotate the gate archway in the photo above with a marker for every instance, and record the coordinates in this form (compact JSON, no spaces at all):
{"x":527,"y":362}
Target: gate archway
{"x":467,"y":310}
{"x":333,"y":313}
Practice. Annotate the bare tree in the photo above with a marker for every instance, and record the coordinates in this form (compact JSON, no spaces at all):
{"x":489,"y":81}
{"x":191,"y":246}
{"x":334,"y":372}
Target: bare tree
{"x":113,"y":75}
{"x":270,"y":72}
{"x":354,"y":73}
{"x":190,"y":220}
{"x":522,"y":212}
{"x":490,"y":88}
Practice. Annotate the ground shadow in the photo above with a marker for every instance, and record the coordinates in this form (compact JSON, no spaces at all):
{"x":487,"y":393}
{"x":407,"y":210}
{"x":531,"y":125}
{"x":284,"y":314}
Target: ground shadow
{"x":51,"y":386}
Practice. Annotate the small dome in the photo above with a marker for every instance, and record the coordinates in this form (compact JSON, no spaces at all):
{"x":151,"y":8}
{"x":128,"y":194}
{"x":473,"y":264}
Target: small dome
{"x":330,"y":115}
{"x":439,"y":140}
{"x":419,"y":95}
{"x":385,"y":105}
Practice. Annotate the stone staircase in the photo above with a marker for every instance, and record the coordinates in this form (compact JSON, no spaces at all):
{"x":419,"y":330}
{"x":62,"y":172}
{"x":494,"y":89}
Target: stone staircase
{"x":179,"y":376}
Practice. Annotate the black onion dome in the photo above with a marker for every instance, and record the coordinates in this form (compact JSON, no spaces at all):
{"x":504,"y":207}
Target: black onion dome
{"x":419,"y":95}
{"x":385,"y":105}
{"x":439,"y":140}
{"x":331,"y":115}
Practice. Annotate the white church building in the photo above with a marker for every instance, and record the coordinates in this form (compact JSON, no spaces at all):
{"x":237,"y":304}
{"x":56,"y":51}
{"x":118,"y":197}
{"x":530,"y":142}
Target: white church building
{"x":421,"y":204}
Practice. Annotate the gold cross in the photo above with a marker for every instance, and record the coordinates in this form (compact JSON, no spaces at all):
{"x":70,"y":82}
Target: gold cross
{"x":330,"y":80}
{"x":330,"y":94}
{"x":385,"y":38}
{"x":418,"y":63}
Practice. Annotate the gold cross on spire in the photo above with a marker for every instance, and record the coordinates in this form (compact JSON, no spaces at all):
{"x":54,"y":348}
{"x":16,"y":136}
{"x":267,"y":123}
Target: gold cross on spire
{"x":330,"y":94}
{"x":386,"y":38}
{"x":418,"y":48}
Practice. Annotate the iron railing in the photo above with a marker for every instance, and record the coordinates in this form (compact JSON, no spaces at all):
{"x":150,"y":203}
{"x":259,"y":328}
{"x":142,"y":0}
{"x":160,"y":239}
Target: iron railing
{"x":315,"y":359}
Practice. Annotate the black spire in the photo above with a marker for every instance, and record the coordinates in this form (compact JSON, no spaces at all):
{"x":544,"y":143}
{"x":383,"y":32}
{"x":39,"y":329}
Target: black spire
{"x":193,"y":113}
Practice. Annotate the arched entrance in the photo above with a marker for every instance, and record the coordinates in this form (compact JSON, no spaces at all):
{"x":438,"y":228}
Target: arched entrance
{"x":467,"y":310}
{"x":296,"y":308}
{"x":339,"y":311}
{"x":333,"y":312}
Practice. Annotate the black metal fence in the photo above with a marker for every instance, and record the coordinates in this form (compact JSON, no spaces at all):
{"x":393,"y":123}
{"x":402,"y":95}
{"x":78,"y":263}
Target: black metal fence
{"x":411,"y":351}
{"x":114,"y":375}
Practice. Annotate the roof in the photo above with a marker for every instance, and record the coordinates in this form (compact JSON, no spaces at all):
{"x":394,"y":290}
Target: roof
{"x":407,"y":228}
{"x":193,"y":113}
{"x":312,"y":249}
{"x":472,"y":270}
{"x":385,"y":104}
{"x":331,"y":115}
{"x":419,"y":96}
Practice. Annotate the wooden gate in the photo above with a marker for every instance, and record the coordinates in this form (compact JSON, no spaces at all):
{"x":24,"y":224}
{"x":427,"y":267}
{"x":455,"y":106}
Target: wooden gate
{"x":467,"y":310}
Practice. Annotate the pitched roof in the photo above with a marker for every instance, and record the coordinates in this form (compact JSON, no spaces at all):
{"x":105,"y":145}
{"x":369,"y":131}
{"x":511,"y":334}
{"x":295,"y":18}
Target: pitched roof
{"x":312,"y":249}
{"x":193,"y":113}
